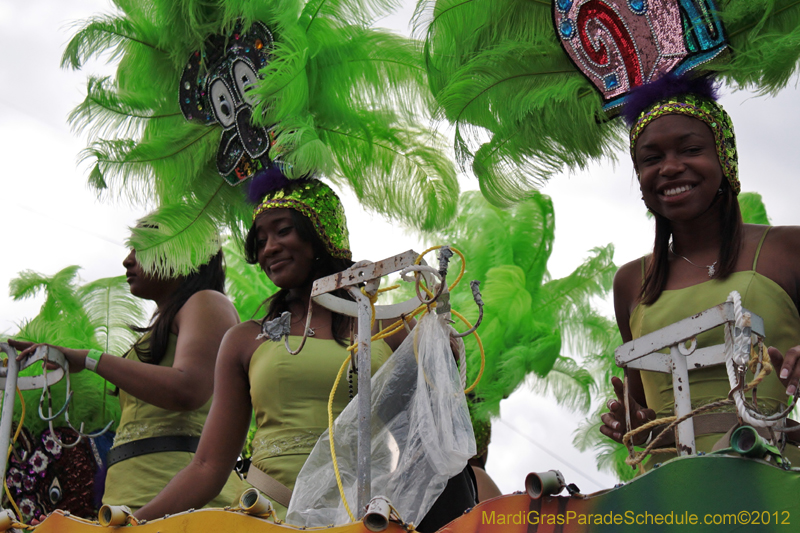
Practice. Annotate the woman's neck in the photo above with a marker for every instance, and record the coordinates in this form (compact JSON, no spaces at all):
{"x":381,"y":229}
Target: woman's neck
{"x":165,"y":297}
{"x":699,"y":236}
{"x":299,"y":296}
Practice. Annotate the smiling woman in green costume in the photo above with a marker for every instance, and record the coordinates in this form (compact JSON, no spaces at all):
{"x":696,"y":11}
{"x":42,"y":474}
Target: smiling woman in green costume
{"x":299,"y":234}
{"x":684,"y":152}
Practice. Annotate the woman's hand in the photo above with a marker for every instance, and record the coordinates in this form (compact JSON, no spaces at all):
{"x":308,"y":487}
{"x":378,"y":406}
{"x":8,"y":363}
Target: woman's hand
{"x":614,"y":421}
{"x":75,"y":358}
{"x":787,"y":366}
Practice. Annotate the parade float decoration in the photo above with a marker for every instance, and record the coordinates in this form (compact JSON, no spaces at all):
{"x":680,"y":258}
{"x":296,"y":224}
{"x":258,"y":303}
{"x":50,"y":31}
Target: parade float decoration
{"x":536,"y":128}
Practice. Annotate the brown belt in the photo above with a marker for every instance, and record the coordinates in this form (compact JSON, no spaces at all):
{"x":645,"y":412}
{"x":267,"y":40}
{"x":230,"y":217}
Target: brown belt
{"x":274,"y":489}
{"x":709,"y":423}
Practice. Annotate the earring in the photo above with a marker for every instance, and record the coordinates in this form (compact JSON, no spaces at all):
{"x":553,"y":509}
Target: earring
{"x":719,"y":191}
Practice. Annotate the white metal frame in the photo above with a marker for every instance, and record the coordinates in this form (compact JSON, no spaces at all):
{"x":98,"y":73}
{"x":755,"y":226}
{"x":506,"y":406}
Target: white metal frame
{"x":643,"y":354}
{"x":369,"y":274}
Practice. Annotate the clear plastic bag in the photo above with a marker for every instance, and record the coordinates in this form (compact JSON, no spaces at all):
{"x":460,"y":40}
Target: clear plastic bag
{"x":421,"y":436}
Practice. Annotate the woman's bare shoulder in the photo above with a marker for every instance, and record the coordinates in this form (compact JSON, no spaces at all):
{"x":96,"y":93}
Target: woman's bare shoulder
{"x":239,"y":344}
{"x":206,"y":309}
{"x":786,"y":237}
{"x":628,"y":279}
{"x":627,"y":289}
{"x":248,"y":329}
{"x":779,"y":257}
{"x":211,"y":299}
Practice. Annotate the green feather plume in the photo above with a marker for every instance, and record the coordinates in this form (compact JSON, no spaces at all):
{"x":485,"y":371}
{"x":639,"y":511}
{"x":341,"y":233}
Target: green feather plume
{"x":764,"y":38}
{"x":753,"y":209}
{"x":344,"y":101}
{"x":529,"y":319}
{"x":83,"y":316}
{"x":521,"y":109}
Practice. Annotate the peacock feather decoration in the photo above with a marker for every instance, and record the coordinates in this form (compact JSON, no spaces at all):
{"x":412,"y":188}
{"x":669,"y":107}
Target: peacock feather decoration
{"x":211,"y":95}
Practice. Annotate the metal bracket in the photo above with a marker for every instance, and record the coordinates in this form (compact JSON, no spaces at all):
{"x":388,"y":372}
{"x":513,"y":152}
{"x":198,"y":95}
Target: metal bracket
{"x":643,"y":354}
{"x":368,"y":274}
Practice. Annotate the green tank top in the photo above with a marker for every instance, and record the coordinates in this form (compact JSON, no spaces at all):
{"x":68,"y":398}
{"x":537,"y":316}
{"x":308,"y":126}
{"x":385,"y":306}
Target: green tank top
{"x":759,"y":294}
{"x":290,"y":400}
{"x":141,"y":420}
{"x":136,"y":481}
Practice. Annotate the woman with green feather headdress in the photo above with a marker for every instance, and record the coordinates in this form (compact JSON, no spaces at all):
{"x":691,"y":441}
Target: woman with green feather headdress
{"x":276,"y":94}
{"x":298,"y":235}
{"x":517,"y":71}
{"x":546,"y":79}
{"x":209,"y":95}
{"x":165,"y":381}
{"x":684,"y":152}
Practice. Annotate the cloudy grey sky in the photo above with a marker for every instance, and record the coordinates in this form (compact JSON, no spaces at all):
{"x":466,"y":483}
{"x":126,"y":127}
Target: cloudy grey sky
{"x":51,"y":220}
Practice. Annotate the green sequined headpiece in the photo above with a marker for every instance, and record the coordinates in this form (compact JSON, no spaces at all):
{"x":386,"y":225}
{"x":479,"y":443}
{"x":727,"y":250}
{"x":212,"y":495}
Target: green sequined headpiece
{"x":320,"y":204}
{"x":210,"y":94}
{"x":712,"y":114}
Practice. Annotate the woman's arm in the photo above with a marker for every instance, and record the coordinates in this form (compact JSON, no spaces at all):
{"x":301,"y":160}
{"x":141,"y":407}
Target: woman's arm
{"x":223,"y":435}
{"x":780,"y":261}
{"x":187,"y":385}
{"x":626,"y":283}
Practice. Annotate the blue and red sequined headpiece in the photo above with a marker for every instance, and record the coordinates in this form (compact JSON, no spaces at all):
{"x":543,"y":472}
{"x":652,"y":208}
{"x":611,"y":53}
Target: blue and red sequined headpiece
{"x":620,"y":45}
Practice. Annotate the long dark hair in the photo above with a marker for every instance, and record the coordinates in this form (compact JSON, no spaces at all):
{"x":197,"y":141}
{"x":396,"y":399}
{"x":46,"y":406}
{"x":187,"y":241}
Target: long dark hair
{"x":657,"y":271}
{"x":324,"y":265}
{"x":210,"y":276}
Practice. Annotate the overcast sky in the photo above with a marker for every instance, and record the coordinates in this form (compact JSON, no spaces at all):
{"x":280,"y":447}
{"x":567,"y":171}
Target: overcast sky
{"x":51,"y":220}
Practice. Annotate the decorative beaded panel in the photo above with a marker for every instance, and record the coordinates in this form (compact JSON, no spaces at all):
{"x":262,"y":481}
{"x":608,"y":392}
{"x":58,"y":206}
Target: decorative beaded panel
{"x":621,"y":44}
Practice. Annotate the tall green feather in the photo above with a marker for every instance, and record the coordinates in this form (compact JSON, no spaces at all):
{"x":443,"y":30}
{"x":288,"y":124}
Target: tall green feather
{"x":529,"y":319}
{"x":344,"y":98}
{"x":498,"y":72}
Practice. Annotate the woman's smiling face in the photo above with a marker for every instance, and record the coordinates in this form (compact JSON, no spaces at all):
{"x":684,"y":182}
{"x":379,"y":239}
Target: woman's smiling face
{"x":286,"y":259}
{"x":679,"y":169}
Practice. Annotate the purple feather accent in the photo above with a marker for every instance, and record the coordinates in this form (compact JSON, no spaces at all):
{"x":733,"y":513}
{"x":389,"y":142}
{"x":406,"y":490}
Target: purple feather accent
{"x":668,"y":86}
{"x":265,"y":181}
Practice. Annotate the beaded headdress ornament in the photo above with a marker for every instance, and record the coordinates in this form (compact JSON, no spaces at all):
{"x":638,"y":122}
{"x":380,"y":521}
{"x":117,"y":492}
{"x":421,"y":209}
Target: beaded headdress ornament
{"x":250,"y":88}
{"x":213,"y":89}
{"x":320,"y":204}
{"x":625,"y":44}
{"x":545,"y":79}
{"x":706,"y":110}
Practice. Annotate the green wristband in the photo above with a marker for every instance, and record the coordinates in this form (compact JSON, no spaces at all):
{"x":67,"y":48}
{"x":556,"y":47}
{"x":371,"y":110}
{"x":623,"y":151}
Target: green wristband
{"x":93,"y":359}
